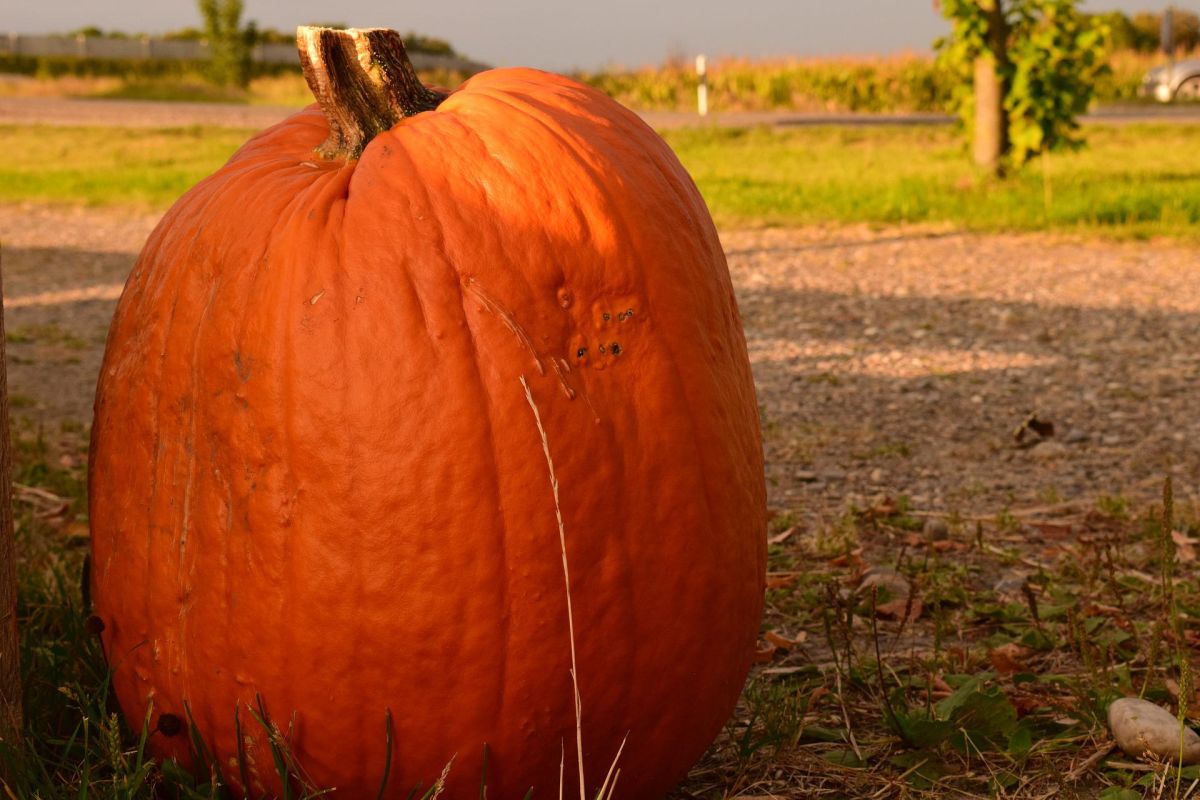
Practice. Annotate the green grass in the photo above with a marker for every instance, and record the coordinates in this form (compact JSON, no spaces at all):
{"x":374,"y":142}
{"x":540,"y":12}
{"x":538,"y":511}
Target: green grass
{"x":1131,"y":181}
{"x":110,"y":166}
{"x":1135,"y":180}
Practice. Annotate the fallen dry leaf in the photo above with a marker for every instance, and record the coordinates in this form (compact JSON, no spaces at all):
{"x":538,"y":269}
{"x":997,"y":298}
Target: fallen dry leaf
{"x":1008,"y":658}
{"x":764,"y":653}
{"x":853,"y":558}
{"x":781,"y":581}
{"x":782,"y":642}
{"x":77,"y":533}
{"x":1185,"y":548}
{"x":779,"y":538}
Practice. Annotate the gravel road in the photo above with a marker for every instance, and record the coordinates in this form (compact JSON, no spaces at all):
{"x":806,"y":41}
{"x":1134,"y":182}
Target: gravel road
{"x":887,"y":362}
{"x":149,"y":114}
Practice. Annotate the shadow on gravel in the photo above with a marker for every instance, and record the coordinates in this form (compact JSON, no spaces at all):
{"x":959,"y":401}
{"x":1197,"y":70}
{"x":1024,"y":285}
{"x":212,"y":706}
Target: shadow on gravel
{"x":58,"y":304}
{"x":837,"y":244}
{"x":863,"y":395}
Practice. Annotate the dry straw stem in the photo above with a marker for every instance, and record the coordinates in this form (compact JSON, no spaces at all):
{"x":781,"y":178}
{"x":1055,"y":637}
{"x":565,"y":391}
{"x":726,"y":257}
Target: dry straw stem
{"x":562,"y":540}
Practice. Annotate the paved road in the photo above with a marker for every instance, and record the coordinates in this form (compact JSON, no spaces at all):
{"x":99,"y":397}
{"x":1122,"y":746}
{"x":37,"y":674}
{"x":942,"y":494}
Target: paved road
{"x":147,"y":114}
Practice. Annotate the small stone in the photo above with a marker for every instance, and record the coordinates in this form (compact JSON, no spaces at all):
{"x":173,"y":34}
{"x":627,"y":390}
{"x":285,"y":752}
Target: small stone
{"x":1046,"y":451}
{"x":806,"y":476}
{"x":936,"y":530}
{"x":1110,"y":440}
{"x":877,"y":475}
{"x":1075,"y":436}
{"x":1143,"y":729}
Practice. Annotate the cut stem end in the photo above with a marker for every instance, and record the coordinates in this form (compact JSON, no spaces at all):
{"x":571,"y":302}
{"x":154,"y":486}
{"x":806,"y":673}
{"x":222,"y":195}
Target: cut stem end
{"x":364,"y":82}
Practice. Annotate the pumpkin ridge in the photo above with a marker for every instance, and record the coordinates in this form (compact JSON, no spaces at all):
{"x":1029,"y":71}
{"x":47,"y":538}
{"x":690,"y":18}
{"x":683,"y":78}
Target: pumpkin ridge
{"x":506,"y":528}
{"x":158,"y":283}
{"x":620,"y":216}
{"x":454,"y":275}
{"x":283,"y":288}
{"x":182,"y":577}
{"x":570,"y":147}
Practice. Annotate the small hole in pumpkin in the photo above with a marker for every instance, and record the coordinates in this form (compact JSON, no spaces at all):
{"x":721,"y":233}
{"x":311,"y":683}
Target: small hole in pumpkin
{"x":170,"y":725}
{"x":606,"y":316}
{"x":602,"y":350}
{"x":616,"y":349}
{"x":581,"y":352}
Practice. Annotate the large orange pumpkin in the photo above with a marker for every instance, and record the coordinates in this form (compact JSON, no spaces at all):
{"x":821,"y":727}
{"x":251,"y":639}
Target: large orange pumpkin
{"x":318,"y":481}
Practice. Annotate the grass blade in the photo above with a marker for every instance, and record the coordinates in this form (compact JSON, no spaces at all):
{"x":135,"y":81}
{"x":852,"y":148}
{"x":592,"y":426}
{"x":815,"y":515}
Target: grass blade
{"x":387,"y":758}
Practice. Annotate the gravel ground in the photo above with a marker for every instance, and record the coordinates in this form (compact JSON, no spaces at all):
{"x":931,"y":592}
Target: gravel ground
{"x":890,"y":362}
{"x":160,"y":114}
{"x":135,"y":113}
{"x":903,"y":361}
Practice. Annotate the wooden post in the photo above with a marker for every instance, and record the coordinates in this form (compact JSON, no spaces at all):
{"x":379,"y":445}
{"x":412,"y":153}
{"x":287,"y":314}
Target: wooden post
{"x":10,"y":653}
{"x":991,"y":120}
{"x":702,"y":86}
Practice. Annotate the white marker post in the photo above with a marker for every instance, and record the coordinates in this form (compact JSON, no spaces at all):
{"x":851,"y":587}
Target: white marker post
{"x":702,"y":86}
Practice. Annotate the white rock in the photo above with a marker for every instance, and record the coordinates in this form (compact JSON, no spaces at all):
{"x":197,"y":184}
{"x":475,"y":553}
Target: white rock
{"x":1142,"y":728}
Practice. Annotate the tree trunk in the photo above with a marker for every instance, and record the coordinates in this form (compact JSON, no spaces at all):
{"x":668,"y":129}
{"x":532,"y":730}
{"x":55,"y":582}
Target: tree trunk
{"x":991,"y":120}
{"x":10,"y":654}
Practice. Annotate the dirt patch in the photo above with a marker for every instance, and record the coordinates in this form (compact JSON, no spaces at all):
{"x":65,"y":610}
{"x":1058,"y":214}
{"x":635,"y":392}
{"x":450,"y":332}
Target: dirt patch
{"x":887,"y":362}
{"x":63,"y":270}
{"x":903,"y":362}
{"x":136,"y":113}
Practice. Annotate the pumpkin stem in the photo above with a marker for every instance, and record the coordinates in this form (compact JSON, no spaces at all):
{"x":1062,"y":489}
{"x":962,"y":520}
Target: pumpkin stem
{"x":364,"y":82}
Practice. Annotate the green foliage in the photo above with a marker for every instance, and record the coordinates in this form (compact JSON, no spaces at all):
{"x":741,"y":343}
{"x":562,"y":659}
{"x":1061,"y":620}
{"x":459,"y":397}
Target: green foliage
{"x":50,"y":67}
{"x":1125,"y":35}
{"x":229,"y":44}
{"x":188,"y":34}
{"x":431,"y":45}
{"x":95,"y":32}
{"x":1049,"y":59}
{"x":869,"y":85}
{"x":1056,"y":57}
{"x":973,"y":718}
{"x":1147,"y":27}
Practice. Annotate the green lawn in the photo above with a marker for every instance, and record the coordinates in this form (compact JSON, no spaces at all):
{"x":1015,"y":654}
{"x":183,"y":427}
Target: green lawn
{"x":1134,"y":180}
{"x":134,"y":167}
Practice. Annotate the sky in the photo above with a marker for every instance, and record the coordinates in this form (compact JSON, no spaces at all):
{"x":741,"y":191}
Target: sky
{"x":566,"y":34}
